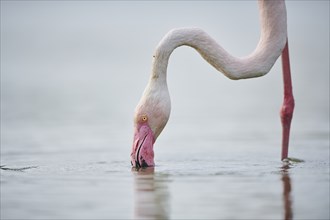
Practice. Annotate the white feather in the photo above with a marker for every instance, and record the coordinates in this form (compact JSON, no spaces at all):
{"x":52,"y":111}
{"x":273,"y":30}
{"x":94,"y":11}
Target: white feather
{"x":155,"y":101}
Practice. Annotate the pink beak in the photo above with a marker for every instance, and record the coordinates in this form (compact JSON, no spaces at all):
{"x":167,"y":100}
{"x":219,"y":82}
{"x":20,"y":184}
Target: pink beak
{"x":142,"y":154}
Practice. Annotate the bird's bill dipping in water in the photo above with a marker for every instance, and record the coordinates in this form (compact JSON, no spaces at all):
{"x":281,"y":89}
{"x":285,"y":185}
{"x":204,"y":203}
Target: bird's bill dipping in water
{"x":142,"y":154}
{"x":153,"y":110}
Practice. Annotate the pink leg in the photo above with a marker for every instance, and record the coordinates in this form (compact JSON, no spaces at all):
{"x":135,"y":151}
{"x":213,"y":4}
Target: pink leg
{"x":288,"y":103}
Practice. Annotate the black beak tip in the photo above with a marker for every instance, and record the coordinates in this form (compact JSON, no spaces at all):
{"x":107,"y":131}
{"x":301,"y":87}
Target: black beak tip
{"x":144,"y":164}
{"x":140,"y":165}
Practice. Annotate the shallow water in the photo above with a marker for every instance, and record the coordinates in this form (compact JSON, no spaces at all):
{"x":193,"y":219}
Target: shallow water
{"x":242,"y":179}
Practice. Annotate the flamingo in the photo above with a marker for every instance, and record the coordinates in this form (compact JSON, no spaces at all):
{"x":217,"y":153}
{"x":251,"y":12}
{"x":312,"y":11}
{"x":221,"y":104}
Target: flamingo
{"x":153,"y":110}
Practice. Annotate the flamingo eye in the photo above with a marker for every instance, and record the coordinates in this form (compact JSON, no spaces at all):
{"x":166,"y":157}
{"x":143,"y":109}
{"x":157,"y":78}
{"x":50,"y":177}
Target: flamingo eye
{"x":144,"y":118}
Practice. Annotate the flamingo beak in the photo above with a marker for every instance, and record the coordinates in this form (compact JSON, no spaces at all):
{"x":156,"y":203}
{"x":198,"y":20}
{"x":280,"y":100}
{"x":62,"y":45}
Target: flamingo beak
{"x":142,"y":154}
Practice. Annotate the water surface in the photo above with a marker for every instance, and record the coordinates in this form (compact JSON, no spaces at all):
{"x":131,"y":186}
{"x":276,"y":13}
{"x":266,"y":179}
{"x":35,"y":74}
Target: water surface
{"x":243,"y":179}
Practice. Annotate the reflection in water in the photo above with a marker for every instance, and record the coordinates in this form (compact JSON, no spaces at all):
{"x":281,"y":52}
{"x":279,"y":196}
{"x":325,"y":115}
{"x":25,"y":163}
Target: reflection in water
{"x":288,"y":214}
{"x":151,"y":194}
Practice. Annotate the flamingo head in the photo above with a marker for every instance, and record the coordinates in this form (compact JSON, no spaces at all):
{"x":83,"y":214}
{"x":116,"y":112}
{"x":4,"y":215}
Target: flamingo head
{"x":151,"y":116}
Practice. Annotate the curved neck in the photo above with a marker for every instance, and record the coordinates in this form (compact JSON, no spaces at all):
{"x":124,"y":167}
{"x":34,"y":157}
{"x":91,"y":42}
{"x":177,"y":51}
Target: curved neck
{"x":272,"y":40}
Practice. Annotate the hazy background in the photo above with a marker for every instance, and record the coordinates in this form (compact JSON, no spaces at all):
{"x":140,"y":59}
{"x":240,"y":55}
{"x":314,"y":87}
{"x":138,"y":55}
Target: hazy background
{"x":76,"y":63}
